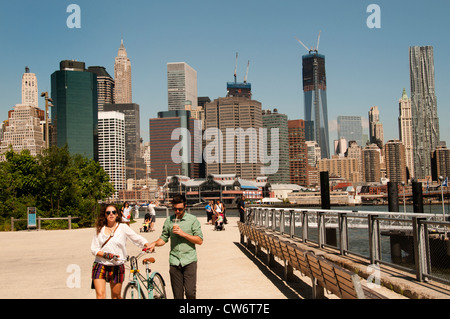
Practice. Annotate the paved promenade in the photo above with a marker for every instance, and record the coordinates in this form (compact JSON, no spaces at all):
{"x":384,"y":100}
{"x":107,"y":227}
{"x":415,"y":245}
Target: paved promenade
{"x":46,"y":265}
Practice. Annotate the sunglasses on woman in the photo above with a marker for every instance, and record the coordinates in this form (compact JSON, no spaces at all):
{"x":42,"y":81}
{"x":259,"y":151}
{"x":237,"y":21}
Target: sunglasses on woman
{"x":111,"y":212}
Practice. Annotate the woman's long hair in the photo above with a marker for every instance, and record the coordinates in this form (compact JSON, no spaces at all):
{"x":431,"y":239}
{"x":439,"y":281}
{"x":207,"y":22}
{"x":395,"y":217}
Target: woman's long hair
{"x":101,"y":218}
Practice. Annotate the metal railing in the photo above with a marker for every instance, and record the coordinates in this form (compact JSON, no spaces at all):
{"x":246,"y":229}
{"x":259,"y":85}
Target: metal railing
{"x":375,"y":236}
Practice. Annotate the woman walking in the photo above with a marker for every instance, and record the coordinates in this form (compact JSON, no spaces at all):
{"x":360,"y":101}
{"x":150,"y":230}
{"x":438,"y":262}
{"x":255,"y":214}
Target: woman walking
{"x":126,"y":213}
{"x":109,"y":248}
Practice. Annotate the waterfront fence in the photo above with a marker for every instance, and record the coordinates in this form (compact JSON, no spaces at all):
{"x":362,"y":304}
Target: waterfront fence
{"x":411,"y":242}
{"x":39,"y":219}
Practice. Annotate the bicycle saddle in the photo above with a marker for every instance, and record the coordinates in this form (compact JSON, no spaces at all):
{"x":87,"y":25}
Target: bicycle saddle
{"x":148,"y":260}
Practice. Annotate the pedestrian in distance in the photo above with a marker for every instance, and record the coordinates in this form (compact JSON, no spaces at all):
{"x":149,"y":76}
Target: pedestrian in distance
{"x":209,"y":211}
{"x":152,"y":212}
{"x":241,"y":208}
{"x":109,"y":248}
{"x":126,"y":213}
{"x":184,"y":232}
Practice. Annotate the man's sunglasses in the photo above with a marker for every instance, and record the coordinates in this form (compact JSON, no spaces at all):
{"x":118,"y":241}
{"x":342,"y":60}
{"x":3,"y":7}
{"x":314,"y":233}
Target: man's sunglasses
{"x":111,"y":212}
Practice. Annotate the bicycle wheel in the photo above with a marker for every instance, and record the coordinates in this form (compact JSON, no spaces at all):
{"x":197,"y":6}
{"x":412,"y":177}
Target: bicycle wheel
{"x":157,"y":287}
{"x":132,"y":291}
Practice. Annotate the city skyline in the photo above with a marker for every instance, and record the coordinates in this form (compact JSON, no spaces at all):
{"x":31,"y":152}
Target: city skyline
{"x":365,"y":67}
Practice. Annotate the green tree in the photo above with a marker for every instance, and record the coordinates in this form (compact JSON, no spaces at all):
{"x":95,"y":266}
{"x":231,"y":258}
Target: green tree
{"x":19,"y":183}
{"x":57,"y":183}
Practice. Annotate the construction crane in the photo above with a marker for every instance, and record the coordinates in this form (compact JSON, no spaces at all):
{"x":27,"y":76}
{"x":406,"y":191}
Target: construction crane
{"x":246,"y":74}
{"x":312,"y":49}
{"x":235,"y":68}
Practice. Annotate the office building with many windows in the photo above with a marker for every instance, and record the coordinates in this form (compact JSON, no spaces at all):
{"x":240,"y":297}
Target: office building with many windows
{"x":298,"y":153}
{"x":74,"y":95}
{"x":274,"y":120}
{"x":405,"y":131}
{"x":425,"y":121}
{"x":181,"y":86}
{"x":111,"y":147}
{"x":350,"y":128}
{"x":175,"y":145}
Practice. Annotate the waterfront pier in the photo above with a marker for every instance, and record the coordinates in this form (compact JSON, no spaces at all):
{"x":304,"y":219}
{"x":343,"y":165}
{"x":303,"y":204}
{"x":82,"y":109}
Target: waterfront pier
{"x":57,"y":265}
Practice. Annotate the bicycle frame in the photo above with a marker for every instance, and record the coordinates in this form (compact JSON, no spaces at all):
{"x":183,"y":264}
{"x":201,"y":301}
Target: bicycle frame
{"x":143,"y":282}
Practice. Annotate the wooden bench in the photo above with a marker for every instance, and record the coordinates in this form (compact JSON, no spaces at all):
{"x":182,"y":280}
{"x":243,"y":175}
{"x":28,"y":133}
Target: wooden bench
{"x":323,"y":273}
{"x":338,"y":280}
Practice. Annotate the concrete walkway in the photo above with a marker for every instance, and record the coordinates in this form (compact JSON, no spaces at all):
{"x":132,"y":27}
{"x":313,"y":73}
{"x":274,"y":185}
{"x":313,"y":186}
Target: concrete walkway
{"x":46,"y":264}
{"x":57,"y":264}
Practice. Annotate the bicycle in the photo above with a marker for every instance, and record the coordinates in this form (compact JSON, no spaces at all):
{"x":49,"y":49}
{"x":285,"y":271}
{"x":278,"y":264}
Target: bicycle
{"x":153,"y":282}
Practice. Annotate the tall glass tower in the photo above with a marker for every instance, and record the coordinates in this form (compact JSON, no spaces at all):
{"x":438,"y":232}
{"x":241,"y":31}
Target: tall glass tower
{"x":425,"y":121}
{"x":315,"y":98}
{"x":75,"y":111}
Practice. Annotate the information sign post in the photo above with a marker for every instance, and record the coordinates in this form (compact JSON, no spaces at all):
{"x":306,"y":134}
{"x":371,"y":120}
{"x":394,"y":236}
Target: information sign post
{"x":31,"y":217}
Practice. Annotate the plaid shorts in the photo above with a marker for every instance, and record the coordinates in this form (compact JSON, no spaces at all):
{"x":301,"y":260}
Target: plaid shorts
{"x":108,"y":273}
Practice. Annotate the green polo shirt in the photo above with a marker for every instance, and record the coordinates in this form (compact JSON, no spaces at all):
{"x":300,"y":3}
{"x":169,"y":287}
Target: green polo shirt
{"x":182,"y":251}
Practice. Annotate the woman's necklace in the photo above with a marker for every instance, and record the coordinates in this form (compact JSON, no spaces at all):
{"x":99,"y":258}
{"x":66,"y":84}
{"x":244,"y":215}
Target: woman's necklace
{"x":111,"y":230}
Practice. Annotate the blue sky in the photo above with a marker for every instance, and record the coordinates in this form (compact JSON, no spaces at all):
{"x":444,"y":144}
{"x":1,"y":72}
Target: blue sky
{"x":365,"y":67}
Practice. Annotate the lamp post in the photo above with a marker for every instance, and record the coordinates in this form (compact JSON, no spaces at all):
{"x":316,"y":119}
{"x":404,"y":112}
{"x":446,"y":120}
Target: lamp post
{"x":47,"y":99}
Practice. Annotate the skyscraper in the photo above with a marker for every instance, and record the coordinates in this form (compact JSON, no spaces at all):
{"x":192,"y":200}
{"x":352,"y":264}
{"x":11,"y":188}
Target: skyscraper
{"x":105,"y":86}
{"x":111,"y":147}
{"x":315,"y":98}
{"x":122,"y":76}
{"x":181,"y":86}
{"x":350,"y":128}
{"x":273,"y":119}
{"x":440,"y":163}
{"x":405,"y":130}
{"x":135,"y":166}
{"x":236,"y":153}
{"x":425,"y":122}
{"x":371,"y":163}
{"x":75,"y":111}
{"x":395,"y":157}
{"x":375,"y":127}
{"x":23,"y":131}
{"x":29,"y":89}
{"x":298,"y":153}
{"x":164,"y":149}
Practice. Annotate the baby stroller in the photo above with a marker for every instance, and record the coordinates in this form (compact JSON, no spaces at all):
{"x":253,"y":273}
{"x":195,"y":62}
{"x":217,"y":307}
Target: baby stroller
{"x":218,"y":225}
{"x":146,"y":225}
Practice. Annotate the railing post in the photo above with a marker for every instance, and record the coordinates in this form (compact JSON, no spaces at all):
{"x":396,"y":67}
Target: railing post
{"x":343,"y":233}
{"x":292,"y":223}
{"x":274,"y":219}
{"x":304,"y":226}
{"x":39,"y":222}
{"x":12,"y":223}
{"x":374,"y":238}
{"x":282,"y":221}
{"x":266,"y":218}
{"x":70,"y":221}
{"x":320,"y":229}
{"x":420,"y":234}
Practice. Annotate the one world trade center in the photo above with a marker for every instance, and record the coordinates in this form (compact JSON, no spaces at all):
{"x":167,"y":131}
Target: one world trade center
{"x":315,"y":97}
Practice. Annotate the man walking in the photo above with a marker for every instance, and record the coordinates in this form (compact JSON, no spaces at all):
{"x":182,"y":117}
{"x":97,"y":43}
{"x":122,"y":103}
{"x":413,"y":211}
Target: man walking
{"x":241,"y":208}
{"x":184,"y":231}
